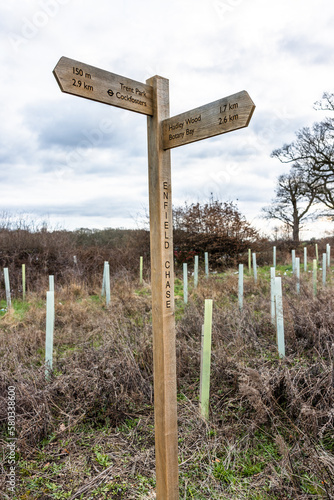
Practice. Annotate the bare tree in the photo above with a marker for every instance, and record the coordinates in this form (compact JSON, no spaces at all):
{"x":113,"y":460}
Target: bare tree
{"x":292,"y":203}
{"x":326,"y":103}
{"x":312,"y":155}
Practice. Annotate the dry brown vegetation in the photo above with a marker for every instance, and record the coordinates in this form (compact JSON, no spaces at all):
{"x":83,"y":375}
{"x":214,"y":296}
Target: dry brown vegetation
{"x":88,"y":432}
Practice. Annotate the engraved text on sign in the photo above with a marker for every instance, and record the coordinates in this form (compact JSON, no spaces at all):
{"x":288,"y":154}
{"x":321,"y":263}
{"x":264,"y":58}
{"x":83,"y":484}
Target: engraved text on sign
{"x":215,"y":118}
{"x":99,"y":85}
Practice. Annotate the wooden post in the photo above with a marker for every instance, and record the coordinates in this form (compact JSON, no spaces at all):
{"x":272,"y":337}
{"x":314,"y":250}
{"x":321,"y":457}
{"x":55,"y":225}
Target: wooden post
{"x":298,"y":274}
{"x":23,"y":282}
{"x":162,"y":280}
{"x":7,"y":287}
{"x":185,"y":283}
{"x":279,"y":318}
{"x":206,"y":363}
{"x":272,"y":295}
{"x":315,"y":269}
{"x":324,"y":267}
{"x":206,"y":121}
{"x":254,"y":268}
{"x":206,"y":260}
{"x":140,"y":270}
{"x":241,"y":286}
{"x":50,"y":319}
{"x":196,"y":271}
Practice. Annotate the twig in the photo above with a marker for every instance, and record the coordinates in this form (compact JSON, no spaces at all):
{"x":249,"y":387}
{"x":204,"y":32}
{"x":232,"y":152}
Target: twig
{"x":88,"y":486}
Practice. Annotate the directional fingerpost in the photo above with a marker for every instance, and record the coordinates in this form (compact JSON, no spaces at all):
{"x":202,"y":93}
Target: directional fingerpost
{"x":164,"y":133}
{"x":218,"y":117}
{"x":86,"y":81}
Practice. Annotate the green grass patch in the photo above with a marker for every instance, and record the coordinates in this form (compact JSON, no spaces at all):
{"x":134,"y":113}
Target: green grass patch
{"x":143,"y":291}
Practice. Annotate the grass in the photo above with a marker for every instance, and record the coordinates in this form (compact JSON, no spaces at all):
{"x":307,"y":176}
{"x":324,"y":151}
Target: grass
{"x":3,"y":310}
{"x":89,"y":431}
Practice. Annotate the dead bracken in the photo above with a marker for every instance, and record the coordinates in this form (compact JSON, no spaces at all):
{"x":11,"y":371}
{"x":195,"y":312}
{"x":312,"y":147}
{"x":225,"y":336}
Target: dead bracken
{"x":88,"y":432}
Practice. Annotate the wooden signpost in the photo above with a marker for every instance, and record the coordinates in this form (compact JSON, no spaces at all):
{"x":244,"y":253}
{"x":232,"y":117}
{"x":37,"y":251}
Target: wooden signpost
{"x":164,"y":133}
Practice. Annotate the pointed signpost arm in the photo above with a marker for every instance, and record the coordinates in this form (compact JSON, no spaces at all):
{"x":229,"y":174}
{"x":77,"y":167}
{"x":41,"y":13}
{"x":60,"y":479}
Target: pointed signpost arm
{"x":162,"y":280}
{"x":84,"y":80}
{"x":218,"y":117}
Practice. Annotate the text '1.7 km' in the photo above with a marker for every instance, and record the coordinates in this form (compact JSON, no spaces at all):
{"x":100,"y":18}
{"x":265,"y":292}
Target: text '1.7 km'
{"x":215,"y":118}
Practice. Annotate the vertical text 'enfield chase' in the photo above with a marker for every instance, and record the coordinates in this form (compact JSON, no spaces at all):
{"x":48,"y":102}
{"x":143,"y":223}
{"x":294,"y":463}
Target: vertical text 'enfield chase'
{"x":166,"y":230}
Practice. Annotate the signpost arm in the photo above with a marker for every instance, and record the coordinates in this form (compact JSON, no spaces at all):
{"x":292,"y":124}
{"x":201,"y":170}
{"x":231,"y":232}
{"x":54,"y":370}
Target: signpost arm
{"x":162,"y":280}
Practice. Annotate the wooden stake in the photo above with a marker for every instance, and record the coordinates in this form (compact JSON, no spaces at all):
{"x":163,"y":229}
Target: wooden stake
{"x":23,"y":281}
{"x":162,"y":281}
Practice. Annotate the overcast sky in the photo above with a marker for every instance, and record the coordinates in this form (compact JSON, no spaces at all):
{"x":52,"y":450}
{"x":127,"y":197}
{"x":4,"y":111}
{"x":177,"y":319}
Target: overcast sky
{"x":79,"y":163}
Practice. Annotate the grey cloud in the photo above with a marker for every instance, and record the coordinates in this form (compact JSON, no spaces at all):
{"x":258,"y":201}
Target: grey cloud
{"x":65,"y":126}
{"x":220,"y":147}
{"x":305,"y":49}
{"x":75,"y":127}
{"x":112,"y":207}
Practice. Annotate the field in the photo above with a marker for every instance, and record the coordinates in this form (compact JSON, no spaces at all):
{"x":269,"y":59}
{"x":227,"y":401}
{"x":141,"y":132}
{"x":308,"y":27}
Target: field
{"x":88,"y":431}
